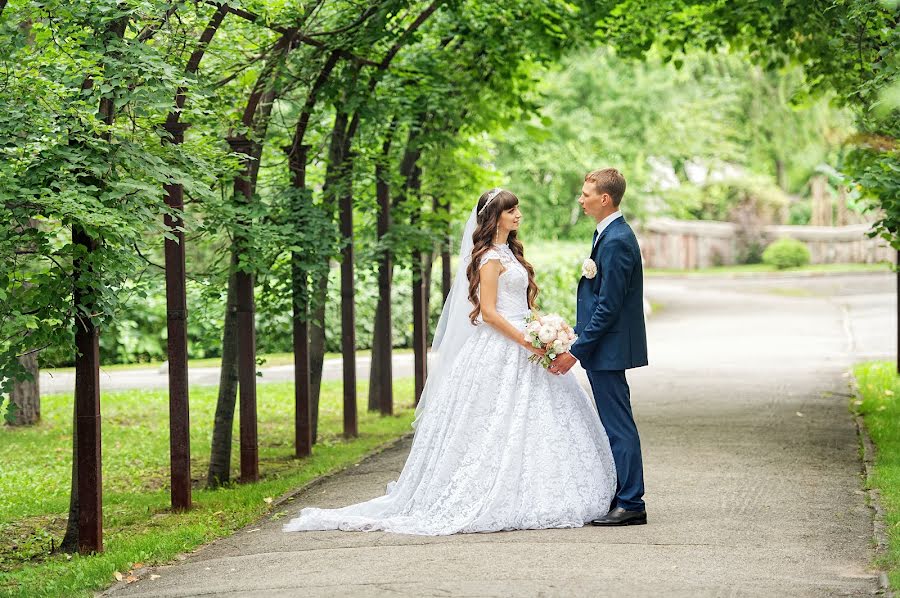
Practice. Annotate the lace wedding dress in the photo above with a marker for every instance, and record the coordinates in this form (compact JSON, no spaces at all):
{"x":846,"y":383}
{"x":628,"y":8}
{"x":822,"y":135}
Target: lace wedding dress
{"x":503,"y":445}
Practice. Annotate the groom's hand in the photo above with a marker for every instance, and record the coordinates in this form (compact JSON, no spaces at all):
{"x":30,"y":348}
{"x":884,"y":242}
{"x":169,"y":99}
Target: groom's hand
{"x":562,"y":364}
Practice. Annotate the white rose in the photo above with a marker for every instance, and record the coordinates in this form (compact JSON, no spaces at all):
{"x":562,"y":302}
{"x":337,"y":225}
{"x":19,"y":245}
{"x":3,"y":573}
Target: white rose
{"x":558,"y":346}
{"x":534,"y":326}
{"x":589,"y":268}
{"x":562,"y":336}
{"x":547,"y":334}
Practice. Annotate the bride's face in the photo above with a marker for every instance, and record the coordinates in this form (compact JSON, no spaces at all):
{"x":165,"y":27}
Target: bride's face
{"x":509,"y":219}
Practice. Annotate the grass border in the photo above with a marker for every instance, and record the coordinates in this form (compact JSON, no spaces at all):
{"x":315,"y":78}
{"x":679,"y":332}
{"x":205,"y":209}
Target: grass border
{"x":879,"y":529}
{"x":276,"y":506}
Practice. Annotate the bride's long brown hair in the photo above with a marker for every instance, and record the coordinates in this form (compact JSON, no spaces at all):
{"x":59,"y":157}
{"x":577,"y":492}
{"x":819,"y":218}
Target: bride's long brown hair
{"x":483,"y":240}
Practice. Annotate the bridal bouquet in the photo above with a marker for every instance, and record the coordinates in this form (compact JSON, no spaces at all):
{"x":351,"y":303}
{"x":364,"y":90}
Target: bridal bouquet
{"x":548,"y":332}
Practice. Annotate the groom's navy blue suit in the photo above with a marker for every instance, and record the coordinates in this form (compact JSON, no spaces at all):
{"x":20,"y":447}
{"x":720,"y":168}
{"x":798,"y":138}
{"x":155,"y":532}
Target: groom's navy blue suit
{"x":612,"y":338}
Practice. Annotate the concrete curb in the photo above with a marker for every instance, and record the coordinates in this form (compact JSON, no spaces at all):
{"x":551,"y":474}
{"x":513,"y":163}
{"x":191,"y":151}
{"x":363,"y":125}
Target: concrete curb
{"x":879,"y":530}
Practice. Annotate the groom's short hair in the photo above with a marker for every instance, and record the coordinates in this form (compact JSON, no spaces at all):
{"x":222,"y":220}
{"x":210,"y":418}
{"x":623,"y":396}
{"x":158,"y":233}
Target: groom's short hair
{"x":608,"y":180}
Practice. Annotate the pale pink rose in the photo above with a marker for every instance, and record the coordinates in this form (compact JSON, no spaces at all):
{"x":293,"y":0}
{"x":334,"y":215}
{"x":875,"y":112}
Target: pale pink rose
{"x":547,"y":334}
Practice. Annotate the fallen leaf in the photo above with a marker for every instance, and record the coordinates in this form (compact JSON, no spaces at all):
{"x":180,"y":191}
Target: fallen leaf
{"x":799,"y":414}
{"x":118,"y":576}
{"x":153,"y":577}
{"x":268,"y":500}
{"x":137,"y":565}
{"x":253,"y":530}
{"x":130,"y":579}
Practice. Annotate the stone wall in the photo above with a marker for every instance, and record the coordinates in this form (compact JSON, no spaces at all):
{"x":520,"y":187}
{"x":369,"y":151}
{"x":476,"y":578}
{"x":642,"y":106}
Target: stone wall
{"x":691,"y":244}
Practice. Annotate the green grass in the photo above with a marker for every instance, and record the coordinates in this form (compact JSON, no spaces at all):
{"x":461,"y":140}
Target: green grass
{"x":879,"y":403}
{"x":138,"y":525}
{"x":270,"y":359}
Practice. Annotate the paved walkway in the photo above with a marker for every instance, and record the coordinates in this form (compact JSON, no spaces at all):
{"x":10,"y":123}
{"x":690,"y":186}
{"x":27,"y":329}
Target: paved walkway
{"x":752,"y":474}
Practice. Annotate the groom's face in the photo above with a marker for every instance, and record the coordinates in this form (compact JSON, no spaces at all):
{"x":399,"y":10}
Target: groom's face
{"x":595,"y":204}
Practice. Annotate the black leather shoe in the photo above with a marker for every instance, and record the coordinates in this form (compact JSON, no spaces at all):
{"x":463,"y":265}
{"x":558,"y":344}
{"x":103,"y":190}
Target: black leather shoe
{"x":620,"y":516}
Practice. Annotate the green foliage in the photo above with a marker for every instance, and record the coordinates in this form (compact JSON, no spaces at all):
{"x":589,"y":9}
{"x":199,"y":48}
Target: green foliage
{"x":138,"y":523}
{"x":692,"y":140}
{"x":878,"y":401}
{"x":786,"y":253}
{"x":846,"y":47}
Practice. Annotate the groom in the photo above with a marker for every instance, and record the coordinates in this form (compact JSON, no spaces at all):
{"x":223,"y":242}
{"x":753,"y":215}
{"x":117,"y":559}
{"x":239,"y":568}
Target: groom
{"x":611,"y":336}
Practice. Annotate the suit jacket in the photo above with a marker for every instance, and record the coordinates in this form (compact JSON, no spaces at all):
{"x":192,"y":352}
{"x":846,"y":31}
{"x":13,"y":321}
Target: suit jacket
{"x":610,"y":315}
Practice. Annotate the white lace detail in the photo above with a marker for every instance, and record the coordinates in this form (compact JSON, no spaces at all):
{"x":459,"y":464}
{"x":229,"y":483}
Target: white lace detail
{"x":512,"y":287}
{"x":505,"y":445}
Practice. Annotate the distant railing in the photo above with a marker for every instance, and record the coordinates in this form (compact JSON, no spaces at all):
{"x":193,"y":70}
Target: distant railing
{"x":692,"y":244}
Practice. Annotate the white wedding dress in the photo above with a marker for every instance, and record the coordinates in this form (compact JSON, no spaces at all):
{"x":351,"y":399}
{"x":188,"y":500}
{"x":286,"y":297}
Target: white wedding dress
{"x":503,"y":444}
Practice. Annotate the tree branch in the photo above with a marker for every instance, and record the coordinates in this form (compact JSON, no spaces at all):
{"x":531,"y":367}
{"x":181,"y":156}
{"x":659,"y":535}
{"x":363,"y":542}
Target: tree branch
{"x":293,"y":32}
{"x":150,"y":30}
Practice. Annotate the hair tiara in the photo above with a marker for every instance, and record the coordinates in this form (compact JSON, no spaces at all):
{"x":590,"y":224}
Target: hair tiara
{"x":491,"y":195}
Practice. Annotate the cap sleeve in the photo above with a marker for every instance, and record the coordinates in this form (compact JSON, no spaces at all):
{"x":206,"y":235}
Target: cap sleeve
{"x":490,"y":254}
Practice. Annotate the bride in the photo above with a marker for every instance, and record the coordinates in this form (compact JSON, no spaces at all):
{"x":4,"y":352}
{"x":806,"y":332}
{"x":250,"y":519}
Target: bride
{"x":500,"y":443}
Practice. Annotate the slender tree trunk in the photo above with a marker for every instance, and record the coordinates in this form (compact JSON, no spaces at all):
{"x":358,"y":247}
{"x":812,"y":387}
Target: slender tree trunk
{"x":348,"y":299}
{"x":246,"y":326}
{"x":89,"y":485}
{"x":87,"y":402}
{"x":240,"y":305}
{"x":317,"y":346}
{"x":338,"y":192}
{"x":26,"y":394}
{"x":297,"y":155}
{"x":70,"y":539}
{"x":446,"y":274}
{"x":381,"y":391}
{"x":306,"y":401}
{"x":220,"y":454}
{"x":409,"y":171}
{"x":419,"y":298}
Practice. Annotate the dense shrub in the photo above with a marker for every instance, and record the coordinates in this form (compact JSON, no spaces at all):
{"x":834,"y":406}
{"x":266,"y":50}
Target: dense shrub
{"x":786,"y":253}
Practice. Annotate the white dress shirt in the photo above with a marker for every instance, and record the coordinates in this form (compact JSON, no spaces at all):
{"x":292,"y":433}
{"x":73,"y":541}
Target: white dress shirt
{"x":601,"y":226}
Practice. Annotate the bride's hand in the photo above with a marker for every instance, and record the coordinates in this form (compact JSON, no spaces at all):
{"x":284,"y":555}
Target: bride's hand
{"x":535,"y":350}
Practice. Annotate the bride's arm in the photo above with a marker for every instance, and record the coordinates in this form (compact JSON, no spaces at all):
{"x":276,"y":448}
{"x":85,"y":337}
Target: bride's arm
{"x":490,"y":274}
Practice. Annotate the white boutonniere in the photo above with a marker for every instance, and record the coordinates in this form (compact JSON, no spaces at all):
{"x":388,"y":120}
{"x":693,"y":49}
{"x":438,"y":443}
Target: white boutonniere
{"x":589,"y":268}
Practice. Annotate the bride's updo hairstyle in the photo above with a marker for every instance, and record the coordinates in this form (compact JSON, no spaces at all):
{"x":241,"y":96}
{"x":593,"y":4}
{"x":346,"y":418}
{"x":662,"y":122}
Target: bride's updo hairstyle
{"x":491,"y":205}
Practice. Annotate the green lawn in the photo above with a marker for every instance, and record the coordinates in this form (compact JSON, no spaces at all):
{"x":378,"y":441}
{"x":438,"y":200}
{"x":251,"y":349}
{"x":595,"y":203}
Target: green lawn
{"x":269,"y":359}
{"x":139,"y":528}
{"x":879,"y":404}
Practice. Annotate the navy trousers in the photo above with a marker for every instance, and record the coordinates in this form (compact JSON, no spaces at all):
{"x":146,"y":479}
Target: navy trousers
{"x":613,"y":398}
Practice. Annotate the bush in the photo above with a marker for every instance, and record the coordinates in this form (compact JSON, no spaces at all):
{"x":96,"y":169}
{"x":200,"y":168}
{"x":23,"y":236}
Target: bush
{"x":786,"y":253}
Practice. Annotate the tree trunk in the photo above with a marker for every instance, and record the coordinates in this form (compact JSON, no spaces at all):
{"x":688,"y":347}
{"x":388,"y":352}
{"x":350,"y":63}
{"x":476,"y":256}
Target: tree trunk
{"x":348,"y":298}
{"x":297,"y":155}
{"x":26,"y":394}
{"x":419,"y":298}
{"x":381,"y":390}
{"x":446,"y":274}
{"x":821,"y":202}
{"x":781,"y":174}
{"x":87,"y":400}
{"x":220,"y":453}
{"x":70,"y":539}
{"x":306,"y":390}
{"x":317,"y":346}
